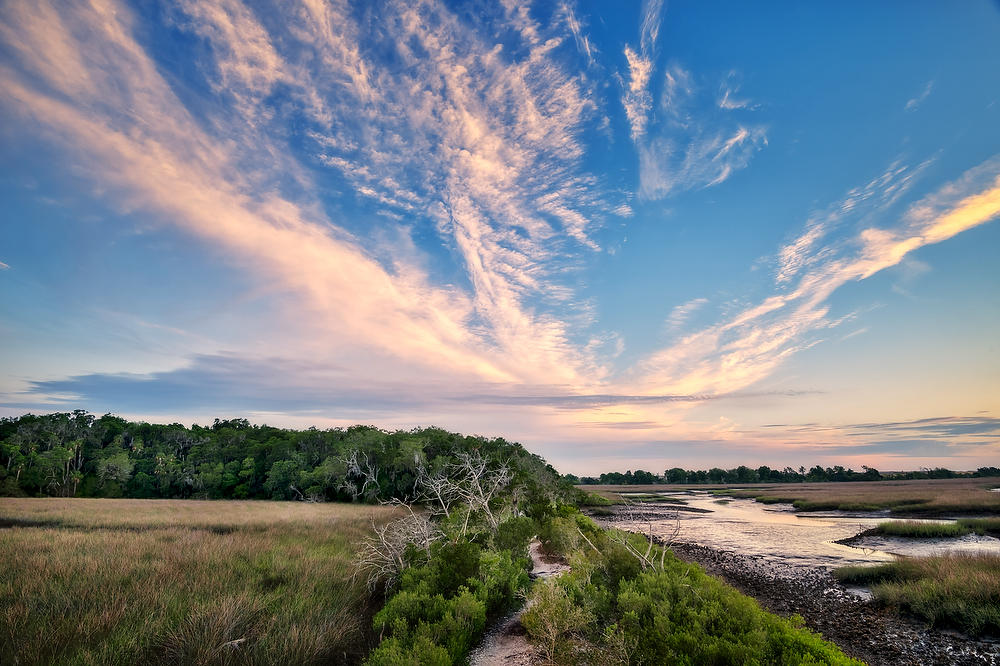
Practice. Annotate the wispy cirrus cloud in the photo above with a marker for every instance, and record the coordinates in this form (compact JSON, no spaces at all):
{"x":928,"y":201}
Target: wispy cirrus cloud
{"x":686,"y":139}
{"x":480,"y":144}
{"x":681,"y":313}
{"x":316,"y":140}
{"x":747,"y":347}
{"x":637,"y":98}
{"x":914,"y":103}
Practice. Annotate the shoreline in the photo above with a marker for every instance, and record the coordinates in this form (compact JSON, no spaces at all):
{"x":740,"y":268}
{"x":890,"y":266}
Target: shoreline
{"x":878,"y":636}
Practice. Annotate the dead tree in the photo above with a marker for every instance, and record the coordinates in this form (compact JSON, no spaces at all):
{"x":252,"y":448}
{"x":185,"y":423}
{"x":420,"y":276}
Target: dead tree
{"x":646,"y":556}
{"x":362,"y":475}
{"x":382,"y":557}
{"x":478,"y":484}
{"x":436,"y":492}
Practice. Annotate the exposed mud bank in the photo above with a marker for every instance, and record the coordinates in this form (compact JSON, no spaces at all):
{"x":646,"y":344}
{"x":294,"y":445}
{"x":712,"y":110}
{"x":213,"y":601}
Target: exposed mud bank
{"x":861,"y":629}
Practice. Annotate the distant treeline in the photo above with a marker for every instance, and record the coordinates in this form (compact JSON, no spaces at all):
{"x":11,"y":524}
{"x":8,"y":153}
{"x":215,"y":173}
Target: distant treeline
{"x":79,"y":455}
{"x":765,"y":474}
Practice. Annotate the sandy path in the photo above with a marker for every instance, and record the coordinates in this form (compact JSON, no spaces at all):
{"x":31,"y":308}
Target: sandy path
{"x":506,"y":644}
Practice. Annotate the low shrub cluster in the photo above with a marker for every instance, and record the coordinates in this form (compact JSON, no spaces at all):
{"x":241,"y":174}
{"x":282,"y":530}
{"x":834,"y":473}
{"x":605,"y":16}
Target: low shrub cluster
{"x":625,"y":602}
{"x":957,"y":590}
{"x":446,"y":597}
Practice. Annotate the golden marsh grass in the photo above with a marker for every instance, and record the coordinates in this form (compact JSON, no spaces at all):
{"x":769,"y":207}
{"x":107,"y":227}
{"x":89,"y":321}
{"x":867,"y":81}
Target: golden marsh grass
{"x":181,"y":581}
{"x":919,"y":496}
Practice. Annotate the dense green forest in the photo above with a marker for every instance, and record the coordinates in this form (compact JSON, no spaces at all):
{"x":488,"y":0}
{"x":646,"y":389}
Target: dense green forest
{"x":765,"y":474}
{"x":79,"y":455}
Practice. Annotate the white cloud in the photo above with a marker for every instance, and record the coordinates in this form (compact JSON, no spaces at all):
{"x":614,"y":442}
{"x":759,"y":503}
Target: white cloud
{"x":681,"y":313}
{"x":734,"y":354}
{"x":914,"y":103}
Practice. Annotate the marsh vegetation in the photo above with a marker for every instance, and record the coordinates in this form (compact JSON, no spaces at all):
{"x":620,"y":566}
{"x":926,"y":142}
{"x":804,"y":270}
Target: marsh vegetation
{"x":958,"y":590}
{"x":916,"y":497}
{"x":183,"y":581}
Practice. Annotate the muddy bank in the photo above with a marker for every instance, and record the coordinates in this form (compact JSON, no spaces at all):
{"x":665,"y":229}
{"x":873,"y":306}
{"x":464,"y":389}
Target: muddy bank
{"x":877,"y":636}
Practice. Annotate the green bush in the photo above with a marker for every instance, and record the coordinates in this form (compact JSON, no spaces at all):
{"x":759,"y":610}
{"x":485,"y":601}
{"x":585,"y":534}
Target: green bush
{"x":442,"y":605}
{"x":554,"y":620}
{"x":609,"y":610}
{"x":558,"y":536}
{"x":514,"y":534}
{"x":683,"y":616}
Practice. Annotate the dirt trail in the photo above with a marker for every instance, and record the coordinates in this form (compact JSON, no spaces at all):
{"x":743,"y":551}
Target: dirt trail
{"x":506,"y":643}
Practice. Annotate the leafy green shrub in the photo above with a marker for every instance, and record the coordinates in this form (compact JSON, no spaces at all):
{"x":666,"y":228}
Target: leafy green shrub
{"x":553,"y":620}
{"x":559,"y":536}
{"x":683,"y":616}
{"x":442,"y":605}
{"x":453,"y":565}
{"x":421,"y":652}
{"x":514,"y":534}
{"x":609,"y":610}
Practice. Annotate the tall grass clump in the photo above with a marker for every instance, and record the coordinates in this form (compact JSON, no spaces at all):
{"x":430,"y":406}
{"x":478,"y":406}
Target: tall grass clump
{"x":982,"y":526}
{"x":183,"y":582}
{"x":920,"y":530}
{"x":958,"y":590}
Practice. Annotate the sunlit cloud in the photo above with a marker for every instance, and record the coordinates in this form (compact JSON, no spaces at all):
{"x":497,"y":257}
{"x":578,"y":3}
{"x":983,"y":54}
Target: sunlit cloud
{"x":737,"y":352}
{"x":419,"y":197}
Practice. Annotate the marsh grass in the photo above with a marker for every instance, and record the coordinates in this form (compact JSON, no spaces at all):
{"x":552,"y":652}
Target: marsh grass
{"x":927,"y":497}
{"x":957,"y":590}
{"x":919,"y":530}
{"x":652,"y":498}
{"x":182,"y":582}
{"x":990,"y":526}
{"x":919,"y":497}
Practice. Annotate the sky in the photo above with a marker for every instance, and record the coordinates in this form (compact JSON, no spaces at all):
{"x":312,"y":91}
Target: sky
{"x":628,"y":235}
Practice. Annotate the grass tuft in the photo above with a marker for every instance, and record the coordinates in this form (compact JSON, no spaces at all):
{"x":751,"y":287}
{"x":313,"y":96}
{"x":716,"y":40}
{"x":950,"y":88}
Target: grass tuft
{"x":920,"y":530}
{"x":957,"y":590}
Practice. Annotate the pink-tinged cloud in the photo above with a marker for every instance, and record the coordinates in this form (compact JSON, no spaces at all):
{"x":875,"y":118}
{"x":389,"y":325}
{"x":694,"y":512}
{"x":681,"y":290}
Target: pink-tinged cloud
{"x":485,"y":145}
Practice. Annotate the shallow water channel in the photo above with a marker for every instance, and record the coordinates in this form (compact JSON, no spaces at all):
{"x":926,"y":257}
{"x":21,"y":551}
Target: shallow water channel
{"x":777,"y":533}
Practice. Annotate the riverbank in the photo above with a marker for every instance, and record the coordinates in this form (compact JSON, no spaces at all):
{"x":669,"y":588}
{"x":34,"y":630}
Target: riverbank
{"x":877,"y":636}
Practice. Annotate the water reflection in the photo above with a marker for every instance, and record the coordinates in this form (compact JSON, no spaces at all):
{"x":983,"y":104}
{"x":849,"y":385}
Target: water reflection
{"x":776,"y":532}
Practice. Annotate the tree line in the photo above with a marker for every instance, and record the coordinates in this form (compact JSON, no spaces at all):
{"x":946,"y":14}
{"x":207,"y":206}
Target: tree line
{"x":80,"y":455}
{"x":765,"y":474}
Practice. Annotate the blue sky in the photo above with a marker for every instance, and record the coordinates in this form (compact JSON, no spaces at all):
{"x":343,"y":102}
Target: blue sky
{"x":634,"y":236}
